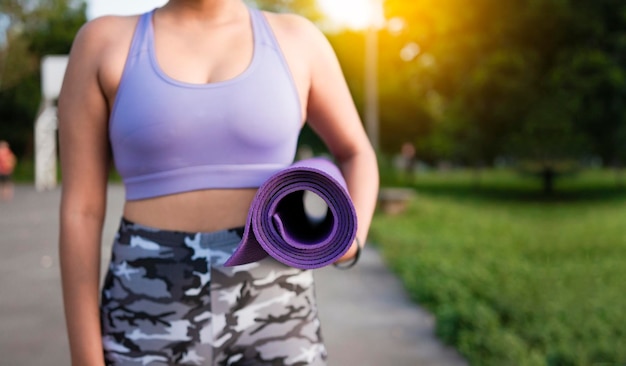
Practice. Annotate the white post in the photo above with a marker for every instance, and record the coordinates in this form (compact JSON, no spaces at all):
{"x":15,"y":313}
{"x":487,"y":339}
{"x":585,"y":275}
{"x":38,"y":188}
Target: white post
{"x":45,"y":148}
{"x":52,"y":73}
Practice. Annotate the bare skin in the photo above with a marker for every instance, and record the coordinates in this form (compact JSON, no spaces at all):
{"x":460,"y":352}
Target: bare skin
{"x":194,"y":43}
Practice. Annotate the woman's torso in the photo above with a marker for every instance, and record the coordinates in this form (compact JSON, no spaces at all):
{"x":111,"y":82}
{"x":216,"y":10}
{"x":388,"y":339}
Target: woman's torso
{"x":181,"y":53}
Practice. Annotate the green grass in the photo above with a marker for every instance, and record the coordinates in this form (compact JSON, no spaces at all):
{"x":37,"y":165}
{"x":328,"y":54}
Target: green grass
{"x":515,"y":277}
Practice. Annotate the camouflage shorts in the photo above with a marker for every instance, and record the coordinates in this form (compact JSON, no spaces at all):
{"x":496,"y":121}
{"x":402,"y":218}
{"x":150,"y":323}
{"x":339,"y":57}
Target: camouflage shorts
{"x":167,"y":300}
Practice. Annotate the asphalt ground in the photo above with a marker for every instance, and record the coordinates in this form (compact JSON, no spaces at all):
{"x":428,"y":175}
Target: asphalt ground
{"x":366,"y":317}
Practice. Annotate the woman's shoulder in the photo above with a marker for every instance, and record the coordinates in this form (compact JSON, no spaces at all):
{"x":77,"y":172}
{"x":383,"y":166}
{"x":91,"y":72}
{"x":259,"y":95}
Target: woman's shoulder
{"x":295,"y":25}
{"x":99,"y":51}
{"x":105,"y":31}
{"x":297,"y":30}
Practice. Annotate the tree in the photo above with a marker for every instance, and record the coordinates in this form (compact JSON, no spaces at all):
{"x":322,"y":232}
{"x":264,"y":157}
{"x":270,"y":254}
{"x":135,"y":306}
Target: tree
{"x":540,"y":79}
{"x":36,"y":29}
{"x":593,"y":71}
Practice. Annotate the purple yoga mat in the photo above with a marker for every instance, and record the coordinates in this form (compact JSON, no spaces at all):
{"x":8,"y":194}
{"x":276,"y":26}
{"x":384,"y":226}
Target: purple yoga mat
{"x":278,"y":226}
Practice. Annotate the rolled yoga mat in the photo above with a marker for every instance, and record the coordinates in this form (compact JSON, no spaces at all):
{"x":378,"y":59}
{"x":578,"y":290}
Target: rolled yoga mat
{"x":278,"y":226}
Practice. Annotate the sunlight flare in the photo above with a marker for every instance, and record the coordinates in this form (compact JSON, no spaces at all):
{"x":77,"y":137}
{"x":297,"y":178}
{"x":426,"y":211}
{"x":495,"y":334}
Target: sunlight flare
{"x":354,"y":14}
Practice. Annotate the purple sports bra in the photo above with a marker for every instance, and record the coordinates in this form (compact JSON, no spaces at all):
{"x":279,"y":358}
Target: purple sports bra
{"x":169,"y":136}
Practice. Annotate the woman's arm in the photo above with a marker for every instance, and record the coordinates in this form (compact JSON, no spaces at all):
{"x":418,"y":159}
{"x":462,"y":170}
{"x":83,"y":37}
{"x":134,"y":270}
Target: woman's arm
{"x":84,"y":160}
{"x":333,"y":116}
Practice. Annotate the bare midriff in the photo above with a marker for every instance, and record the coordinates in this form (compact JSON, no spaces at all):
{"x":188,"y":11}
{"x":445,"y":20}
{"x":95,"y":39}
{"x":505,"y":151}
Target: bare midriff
{"x":195,"y":211}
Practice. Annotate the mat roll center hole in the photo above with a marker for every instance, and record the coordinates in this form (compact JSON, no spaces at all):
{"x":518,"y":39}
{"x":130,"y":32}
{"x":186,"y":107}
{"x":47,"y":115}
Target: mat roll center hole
{"x":305,"y":217}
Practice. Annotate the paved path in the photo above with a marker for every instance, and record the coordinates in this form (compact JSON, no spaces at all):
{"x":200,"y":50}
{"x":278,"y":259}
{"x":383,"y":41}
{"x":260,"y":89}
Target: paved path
{"x":367,"y":319}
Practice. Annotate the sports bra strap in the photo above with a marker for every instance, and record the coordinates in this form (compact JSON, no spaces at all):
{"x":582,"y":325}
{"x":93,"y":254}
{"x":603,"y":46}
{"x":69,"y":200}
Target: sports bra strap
{"x":262,"y":30}
{"x":140,"y":39}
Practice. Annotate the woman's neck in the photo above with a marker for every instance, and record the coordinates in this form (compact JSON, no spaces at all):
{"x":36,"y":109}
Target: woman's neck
{"x":204,"y":11}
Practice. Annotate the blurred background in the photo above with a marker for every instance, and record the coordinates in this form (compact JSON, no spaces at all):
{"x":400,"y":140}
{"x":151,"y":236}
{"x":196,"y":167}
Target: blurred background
{"x":500,"y":127}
